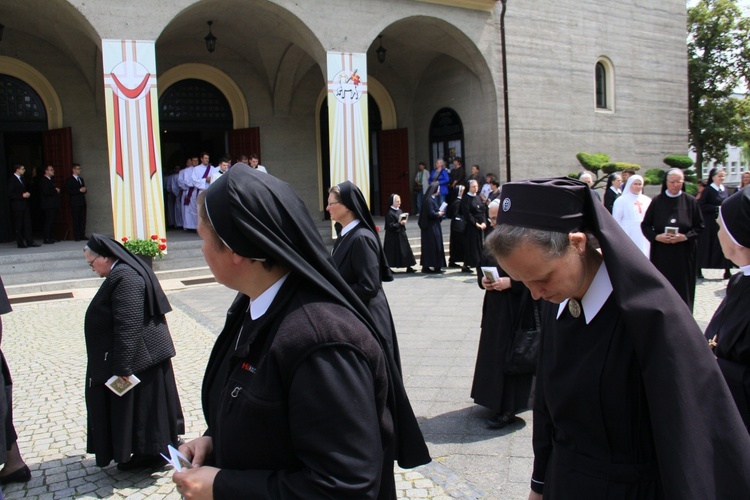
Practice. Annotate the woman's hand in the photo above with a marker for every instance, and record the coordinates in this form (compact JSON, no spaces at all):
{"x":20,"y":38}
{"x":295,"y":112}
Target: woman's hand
{"x":199,"y":450}
{"x":196,"y":483}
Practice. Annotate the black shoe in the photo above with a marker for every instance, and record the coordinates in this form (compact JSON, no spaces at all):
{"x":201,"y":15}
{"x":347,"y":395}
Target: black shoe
{"x":22,"y":475}
{"x":453,"y":264}
{"x":465,"y":269}
{"x":727,"y":274}
{"x":22,"y":245}
{"x":49,"y":242}
{"x":499,"y":421}
{"x":33,"y":244}
{"x":410,"y":270}
{"x":142,"y":462}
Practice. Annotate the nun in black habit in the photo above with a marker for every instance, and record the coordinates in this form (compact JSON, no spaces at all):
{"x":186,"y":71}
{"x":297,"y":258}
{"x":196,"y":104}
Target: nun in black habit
{"x":729,"y":330}
{"x":360,"y":259}
{"x":126,"y":334}
{"x":672,"y":224}
{"x":629,"y":401}
{"x":301,"y":396}
{"x":396,"y":245}
{"x":709,"y":248}
{"x":433,"y":251}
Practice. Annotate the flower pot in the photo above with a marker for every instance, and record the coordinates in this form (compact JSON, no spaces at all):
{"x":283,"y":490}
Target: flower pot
{"x":149,"y":261}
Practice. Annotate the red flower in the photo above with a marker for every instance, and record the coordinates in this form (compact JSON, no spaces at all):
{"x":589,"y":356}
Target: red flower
{"x":154,"y":237}
{"x":162,"y":247}
{"x":124,"y":239}
{"x":163,"y":240}
{"x":377,"y":228}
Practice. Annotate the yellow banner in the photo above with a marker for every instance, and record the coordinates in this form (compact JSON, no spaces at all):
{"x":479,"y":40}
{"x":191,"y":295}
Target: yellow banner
{"x":132,"y":131}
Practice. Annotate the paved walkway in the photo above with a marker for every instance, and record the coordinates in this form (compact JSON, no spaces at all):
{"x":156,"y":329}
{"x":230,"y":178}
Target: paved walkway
{"x":437,"y":319}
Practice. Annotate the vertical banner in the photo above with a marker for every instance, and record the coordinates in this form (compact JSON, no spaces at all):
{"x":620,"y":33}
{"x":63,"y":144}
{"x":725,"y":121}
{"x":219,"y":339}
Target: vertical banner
{"x":132,"y":131}
{"x":347,"y":119}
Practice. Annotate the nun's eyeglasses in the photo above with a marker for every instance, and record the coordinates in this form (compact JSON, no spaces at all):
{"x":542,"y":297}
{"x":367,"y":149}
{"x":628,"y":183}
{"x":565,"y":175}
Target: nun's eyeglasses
{"x":91,"y":262}
{"x":334,"y":203}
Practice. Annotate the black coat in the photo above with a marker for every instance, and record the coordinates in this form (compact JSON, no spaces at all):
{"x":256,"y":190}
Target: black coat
{"x":77,"y":198}
{"x":710,"y":255}
{"x":609,"y":199}
{"x":299,"y":409}
{"x":16,"y":190}
{"x":50,"y":196}
{"x":396,"y":245}
{"x":356,"y":255}
{"x":731,"y":325}
{"x":473,"y":211}
{"x":121,"y":338}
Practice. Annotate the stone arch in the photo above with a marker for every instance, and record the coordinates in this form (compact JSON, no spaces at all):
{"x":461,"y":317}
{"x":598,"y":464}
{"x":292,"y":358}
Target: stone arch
{"x":40,"y":84}
{"x":222,"y":81}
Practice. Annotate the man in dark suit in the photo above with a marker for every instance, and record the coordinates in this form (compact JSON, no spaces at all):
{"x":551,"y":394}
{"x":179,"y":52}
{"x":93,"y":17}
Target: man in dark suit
{"x":76,"y":189}
{"x":19,"y":195}
{"x":50,"y":202}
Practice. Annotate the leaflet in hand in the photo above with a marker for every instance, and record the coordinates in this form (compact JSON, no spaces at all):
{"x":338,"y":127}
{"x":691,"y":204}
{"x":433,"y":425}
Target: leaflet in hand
{"x":490,"y":273}
{"x":443,"y":207}
{"x":404,"y":216}
{"x":177,"y":459}
{"x":119,"y":387}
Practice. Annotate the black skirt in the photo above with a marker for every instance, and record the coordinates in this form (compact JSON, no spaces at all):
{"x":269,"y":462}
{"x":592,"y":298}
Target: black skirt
{"x":142,"y":422}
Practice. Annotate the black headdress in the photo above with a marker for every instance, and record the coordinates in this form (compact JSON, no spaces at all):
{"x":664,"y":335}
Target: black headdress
{"x":156,"y":300}
{"x":260,"y":216}
{"x":353,"y":199}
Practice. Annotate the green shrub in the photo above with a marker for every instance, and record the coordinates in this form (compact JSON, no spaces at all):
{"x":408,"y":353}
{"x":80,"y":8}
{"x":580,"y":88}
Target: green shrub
{"x":678,"y":161}
{"x":619,"y":166}
{"x":592,"y":162}
{"x":654,"y":176}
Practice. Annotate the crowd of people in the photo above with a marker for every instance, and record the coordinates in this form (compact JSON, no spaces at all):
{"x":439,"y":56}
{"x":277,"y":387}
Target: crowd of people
{"x":617,"y":409}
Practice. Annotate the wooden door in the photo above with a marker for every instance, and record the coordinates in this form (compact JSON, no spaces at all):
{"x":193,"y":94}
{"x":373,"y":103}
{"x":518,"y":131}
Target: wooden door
{"x":393,"y":154}
{"x":244,"y":141}
{"x":57,"y":150}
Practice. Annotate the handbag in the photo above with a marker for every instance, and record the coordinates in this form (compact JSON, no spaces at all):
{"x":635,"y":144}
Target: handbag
{"x":522,"y":356}
{"x":416,"y":187}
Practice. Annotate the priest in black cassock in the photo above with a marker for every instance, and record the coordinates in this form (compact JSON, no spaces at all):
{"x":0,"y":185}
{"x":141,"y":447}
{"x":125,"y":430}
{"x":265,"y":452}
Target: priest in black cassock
{"x":729,"y":329}
{"x":672,"y":224}
{"x":629,"y":402}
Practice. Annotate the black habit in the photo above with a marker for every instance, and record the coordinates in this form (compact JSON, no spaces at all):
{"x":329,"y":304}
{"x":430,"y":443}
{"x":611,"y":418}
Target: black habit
{"x":8,"y":434}
{"x":396,"y":245}
{"x":433,"y":252}
{"x":677,"y":261}
{"x":631,"y":405}
{"x":492,"y":388}
{"x":457,"y":236}
{"x":474,"y":212}
{"x":356,"y":255}
{"x":731,"y":327}
{"x":610,"y":195}
{"x":710,"y":255}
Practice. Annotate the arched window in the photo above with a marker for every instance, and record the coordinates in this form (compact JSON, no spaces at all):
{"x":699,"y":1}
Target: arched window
{"x":191,"y":104}
{"x":605,"y":87}
{"x":446,"y":136}
{"x":21,"y":108}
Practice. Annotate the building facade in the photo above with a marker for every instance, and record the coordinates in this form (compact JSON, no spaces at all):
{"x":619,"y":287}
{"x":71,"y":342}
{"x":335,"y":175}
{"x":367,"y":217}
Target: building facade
{"x":597,"y":76}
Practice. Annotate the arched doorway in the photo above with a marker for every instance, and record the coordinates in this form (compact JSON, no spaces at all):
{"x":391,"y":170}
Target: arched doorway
{"x":23,"y":119}
{"x":194,"y":116}
{"x":446,"y":136}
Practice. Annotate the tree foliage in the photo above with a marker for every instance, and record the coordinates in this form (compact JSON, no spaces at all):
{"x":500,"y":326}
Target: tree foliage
{"x":678,"y":161}
{"x":718,"y":63}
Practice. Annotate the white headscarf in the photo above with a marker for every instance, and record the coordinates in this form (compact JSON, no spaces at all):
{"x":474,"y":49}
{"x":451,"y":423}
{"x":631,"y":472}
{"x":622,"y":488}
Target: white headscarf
{"x":628,"y":194}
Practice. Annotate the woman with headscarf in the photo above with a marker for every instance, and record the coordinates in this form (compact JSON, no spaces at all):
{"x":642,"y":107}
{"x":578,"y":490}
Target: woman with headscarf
{"x":360,"y":259}
{"x":431,"y":233}
{"x":301,"y":397}
{"x":629,"y":402}
{"x":15,"y":469}
{"x":127,"y":334}
{"x":612,"y":191}
{"x":474,"y":213}
{"x":672,"y":224}
{"x":629,"y":210}
{"x":728,"y":332}
{"x":709,"y":248}
{"x":504,"y":394}
{"x":396,"y":245}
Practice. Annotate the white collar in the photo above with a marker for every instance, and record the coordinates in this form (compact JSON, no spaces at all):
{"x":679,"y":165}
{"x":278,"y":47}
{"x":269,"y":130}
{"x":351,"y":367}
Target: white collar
{"x":618,"y":191}
{"x":718,"y":188}
{"x":394,"y":208}
{"x":595,"y":297}
{"x":673,"y":195}
{"x":745,"y":270}
{"x":260,"y":305}
{"x":472,"y":194}
{"x":350,"y":226}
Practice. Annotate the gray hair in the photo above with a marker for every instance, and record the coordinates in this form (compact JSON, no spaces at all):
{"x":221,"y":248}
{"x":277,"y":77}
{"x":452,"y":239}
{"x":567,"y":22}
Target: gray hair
{"x":505,"y":239}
